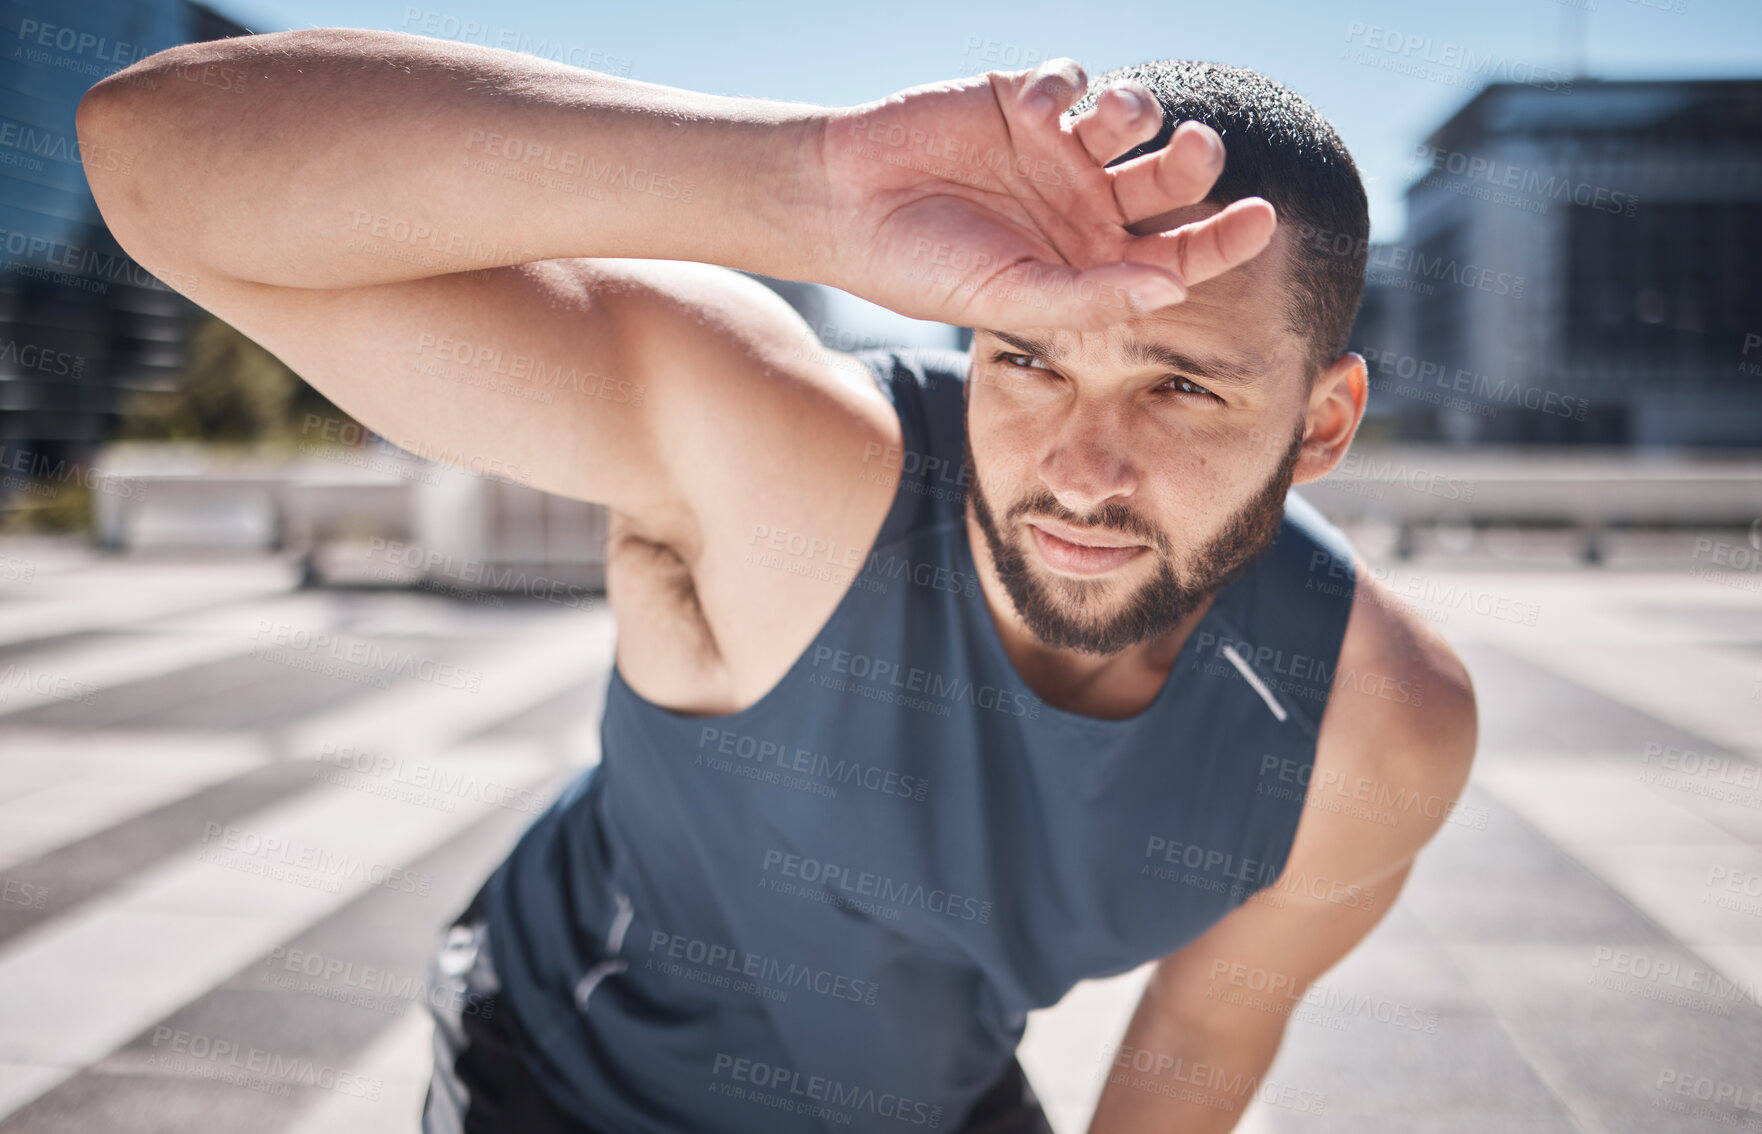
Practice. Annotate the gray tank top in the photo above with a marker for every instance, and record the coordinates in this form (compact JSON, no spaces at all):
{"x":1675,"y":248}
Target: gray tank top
{"x":834,"y":909}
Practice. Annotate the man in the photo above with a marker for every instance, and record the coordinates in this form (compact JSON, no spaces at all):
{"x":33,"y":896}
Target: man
{"x":942,"y":682}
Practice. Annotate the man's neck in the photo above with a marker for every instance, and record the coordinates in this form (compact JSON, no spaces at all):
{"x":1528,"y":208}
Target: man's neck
{"x":1114,"y":685}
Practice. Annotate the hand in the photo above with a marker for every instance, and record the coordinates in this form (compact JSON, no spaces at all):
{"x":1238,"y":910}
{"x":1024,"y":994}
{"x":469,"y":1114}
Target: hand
{"x":976,"y":202}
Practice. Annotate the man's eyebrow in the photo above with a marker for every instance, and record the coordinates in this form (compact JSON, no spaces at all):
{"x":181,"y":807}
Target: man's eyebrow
{"x":1224,"y":372}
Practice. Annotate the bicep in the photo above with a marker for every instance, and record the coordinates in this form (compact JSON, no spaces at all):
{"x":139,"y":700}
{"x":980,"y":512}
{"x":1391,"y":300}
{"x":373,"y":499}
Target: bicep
{"x":522,"y":372}
{"x":690,"y":399}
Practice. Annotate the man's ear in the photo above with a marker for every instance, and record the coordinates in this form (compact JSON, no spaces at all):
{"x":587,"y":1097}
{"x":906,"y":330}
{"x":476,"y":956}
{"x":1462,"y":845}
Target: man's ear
{"x":1336,"y":406}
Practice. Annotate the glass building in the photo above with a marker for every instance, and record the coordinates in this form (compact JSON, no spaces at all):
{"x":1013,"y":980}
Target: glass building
{"x":81,"y":324}
{"x":1580,"y":266}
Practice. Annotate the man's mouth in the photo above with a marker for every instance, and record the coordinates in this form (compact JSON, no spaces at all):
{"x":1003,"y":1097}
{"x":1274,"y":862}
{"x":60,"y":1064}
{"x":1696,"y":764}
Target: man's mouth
{"x":1079,"y":552}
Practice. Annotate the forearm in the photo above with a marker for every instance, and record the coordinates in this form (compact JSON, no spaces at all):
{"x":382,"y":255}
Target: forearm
{"x":303,"y":158}
{"x":1171,"y":1077}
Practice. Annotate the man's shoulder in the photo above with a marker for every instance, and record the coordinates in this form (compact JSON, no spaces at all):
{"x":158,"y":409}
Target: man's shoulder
{"x":1401,"y":725}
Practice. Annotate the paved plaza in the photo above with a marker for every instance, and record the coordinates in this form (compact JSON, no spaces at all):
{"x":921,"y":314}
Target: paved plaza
{"x":1579,"y":950}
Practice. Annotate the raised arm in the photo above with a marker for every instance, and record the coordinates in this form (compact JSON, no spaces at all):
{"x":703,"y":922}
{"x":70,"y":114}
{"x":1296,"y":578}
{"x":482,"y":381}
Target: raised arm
{"x":466,"y":156}
{"x":466,"y":247}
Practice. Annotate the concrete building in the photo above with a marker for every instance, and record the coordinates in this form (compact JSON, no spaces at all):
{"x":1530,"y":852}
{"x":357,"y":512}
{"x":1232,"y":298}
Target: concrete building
{"x":1579,"y":266}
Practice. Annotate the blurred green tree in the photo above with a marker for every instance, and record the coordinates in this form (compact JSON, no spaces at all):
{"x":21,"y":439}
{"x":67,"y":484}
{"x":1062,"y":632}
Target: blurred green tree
{"x":232,"y":390}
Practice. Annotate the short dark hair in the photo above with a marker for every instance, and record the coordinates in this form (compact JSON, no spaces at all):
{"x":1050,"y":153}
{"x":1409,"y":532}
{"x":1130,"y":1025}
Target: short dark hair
{"x":1277,"y":147}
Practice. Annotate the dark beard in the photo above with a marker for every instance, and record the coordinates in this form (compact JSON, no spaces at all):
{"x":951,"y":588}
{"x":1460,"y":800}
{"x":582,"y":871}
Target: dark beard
{"x":1159,"y":604}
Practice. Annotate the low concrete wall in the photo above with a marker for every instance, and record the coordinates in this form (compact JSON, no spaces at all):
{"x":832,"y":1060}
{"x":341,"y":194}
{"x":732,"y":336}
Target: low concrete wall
{"x":382,"y":515}
{"x":350,"y":515}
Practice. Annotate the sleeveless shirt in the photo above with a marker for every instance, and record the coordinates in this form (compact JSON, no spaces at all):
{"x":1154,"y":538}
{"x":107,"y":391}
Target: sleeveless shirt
{"x":833,"y":910}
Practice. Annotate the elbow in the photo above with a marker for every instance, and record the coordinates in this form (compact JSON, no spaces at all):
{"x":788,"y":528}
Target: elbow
{"x":100,"y":124}
{"x":121,"y":89}
{"x":92,"y":117}
{"x":120,"y":105}
{"x":130,"y":166}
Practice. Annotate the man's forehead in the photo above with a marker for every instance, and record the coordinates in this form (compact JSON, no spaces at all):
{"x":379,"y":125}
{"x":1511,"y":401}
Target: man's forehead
{"x":1235,"y":319}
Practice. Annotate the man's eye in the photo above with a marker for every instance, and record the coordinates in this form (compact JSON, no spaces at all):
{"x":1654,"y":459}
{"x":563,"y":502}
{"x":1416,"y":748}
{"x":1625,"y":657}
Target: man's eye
{"x":1004,"y":356}
{"x":1180,"y":385}
{"x":1175,"y":385}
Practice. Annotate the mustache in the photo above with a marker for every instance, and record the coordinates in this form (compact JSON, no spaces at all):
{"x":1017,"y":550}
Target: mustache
{"x":1113,"y":518}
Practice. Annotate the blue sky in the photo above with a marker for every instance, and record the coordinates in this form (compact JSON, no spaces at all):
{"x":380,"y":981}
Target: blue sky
{"x":814,"y":52}
{"x":810,"y":51}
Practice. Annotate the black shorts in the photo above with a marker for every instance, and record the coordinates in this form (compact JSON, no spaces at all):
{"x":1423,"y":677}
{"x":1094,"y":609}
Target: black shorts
{"x":480,"y":1085}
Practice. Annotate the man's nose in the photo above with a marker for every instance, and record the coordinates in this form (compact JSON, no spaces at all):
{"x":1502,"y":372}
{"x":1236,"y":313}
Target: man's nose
{"x":1088,"y":463}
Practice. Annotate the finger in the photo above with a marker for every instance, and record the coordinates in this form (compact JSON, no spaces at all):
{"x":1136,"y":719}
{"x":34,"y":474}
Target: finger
{"x":1122,"y":117}
{"x":1196,"y":252}
{"x":1180,"y":173}
{"x":1041,"y":294}
{"x":1048,"y":90}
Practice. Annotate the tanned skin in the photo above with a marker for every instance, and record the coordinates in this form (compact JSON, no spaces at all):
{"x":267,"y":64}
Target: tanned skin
{"x":371,"y":206}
